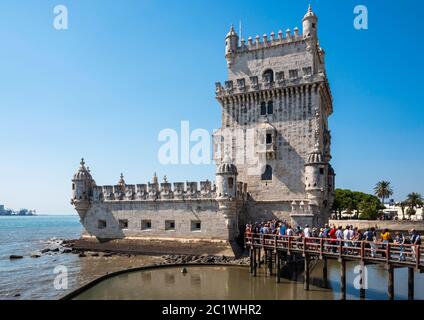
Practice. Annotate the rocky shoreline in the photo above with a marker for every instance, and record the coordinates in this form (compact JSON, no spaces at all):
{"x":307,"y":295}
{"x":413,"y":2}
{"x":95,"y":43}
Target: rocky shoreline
{"x":57,"y":246}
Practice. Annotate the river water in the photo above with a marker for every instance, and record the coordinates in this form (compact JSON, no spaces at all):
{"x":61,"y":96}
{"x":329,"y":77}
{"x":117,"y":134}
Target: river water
{"x":235,"y":283}
{"x":31,"y":278}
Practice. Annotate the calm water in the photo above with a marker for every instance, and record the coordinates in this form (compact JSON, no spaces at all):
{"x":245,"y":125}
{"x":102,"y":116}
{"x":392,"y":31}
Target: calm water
{"x":236,"y":283}
{"x":33,"y":278}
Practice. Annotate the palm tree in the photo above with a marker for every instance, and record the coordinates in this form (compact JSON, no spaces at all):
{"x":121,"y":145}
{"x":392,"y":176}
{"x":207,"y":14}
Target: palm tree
{"x":402,"y":205}
{"x":414,"y":200}
{"x":383,"y":190}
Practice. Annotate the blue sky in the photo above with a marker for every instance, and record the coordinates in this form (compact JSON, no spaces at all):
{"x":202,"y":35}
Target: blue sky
{"x":124,"y":70}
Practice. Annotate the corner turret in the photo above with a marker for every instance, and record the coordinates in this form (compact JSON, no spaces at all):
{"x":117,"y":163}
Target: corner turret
{"x":226,"y":179}
{"x":231,"y":44}
{"x":82,"y":189}
{"x":310,"y":24}
{"x":226,"y":184}
{"x":315,"y":173}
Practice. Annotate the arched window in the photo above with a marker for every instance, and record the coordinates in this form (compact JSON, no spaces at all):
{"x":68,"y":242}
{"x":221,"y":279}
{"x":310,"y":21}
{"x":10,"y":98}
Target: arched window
{"x":270,"y":107}
{"x":267,"y":175}
{"x":230,"y":183}
{"x":263,"y":109}
{"x":269,"y":76}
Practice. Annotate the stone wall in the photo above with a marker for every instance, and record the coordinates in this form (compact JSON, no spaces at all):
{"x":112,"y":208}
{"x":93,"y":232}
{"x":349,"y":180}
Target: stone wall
{"x":152,"y":219}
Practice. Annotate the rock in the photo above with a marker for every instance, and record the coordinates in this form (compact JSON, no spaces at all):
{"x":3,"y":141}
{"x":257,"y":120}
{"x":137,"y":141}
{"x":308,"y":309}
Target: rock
{"x":36,"y":255}
{"x":107,"y":255}
{"x":67,"y":250}
{"x":17,"y":295}
{"x":82,"y":255}
{"x":45,"y":250}
{"x":95,"y":254}
{"x":15,"y":257}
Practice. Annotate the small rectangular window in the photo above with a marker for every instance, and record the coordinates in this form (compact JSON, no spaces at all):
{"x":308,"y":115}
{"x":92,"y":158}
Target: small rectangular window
{"x":146,"y":225}
{"x":269,"y":138}
{"x":280,"y":76}
{"x":170,"y":225}
{"x":123,"y":224}
{"x":230,"y":183}
{"x":196,"y":226}
{"x":101,"y":224}
{"x":307,"y":71}
{"x":321,"y":170}
{"x":293,"y":74}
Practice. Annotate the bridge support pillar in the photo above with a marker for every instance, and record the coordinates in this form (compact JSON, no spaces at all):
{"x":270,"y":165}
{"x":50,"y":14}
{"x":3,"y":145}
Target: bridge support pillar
{"x":251,"y":259}
{"x":278,"y":266}
{"x":306,"y":274}
{"x":255,"y":264}
{"x":411,"y":284}
{"x":259,"y":258}
{"x":270,"y":254}
{"x":343,"y":279}
{"x":390,"y":282}
{"x":294,"y":264}
{"x":363,"y":282}
{"x":325,"y":273}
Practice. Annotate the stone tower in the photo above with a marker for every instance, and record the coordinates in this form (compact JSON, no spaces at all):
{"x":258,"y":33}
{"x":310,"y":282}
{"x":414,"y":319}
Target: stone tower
{"x":226,"y":195}
{"x":82,"y":188}
{"x":275,"y":109}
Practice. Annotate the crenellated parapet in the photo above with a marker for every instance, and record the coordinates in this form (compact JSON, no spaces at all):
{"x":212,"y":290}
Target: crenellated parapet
{"x":155,"y":192}
{"x":254,"y":84}
{"x":287,"y":38}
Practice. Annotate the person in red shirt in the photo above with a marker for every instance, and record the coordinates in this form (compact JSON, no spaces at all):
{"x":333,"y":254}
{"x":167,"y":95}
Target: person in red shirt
{"x":333,"y":237}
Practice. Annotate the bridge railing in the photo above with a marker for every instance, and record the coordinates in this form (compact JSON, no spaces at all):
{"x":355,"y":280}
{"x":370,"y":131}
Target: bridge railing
{"x":363,"y":250}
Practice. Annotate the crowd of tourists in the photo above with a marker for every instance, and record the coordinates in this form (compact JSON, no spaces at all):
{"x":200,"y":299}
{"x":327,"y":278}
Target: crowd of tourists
{"x":349,"y":236}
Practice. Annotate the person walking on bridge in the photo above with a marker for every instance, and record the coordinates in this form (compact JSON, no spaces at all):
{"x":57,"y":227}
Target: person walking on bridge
{"x":415,"y":241}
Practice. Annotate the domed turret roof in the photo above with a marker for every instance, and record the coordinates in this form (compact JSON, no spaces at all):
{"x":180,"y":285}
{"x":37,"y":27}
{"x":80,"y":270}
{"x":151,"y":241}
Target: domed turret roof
{"x":310,"y":14}
{"x":227,"y":167}
{"x":315,"y":156}
{"x":232,"y":32}
{"x":83,"y":173}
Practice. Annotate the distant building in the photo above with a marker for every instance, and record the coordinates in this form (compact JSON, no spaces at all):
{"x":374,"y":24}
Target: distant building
{"x":395,"y":211}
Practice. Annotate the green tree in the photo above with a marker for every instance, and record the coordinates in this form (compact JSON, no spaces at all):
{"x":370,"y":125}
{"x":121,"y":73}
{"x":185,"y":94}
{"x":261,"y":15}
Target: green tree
{"x":413,"y":201}
{"x":383,"y":190}
{"x":367,"y":206}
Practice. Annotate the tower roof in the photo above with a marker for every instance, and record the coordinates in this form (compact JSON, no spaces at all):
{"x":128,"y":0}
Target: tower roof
{"x":227,"y":166}
{"x":232,"y":32}
{"x":310,"y":14}
{"x":83,"y":173}
{"x":315,"y":157}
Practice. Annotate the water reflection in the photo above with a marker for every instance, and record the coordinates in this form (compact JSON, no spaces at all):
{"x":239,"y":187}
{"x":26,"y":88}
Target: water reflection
{"x":235,"y":283}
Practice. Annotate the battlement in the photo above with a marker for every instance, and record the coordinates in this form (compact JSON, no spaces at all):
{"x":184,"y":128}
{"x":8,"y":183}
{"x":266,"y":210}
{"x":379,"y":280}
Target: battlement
{"x":288,"y":38}
{"x":283,"y":79}
{"x":162,"y":191}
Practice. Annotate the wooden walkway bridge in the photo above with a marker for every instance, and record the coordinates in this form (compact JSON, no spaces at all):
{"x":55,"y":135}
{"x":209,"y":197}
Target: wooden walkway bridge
{"x":278,"y":249}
